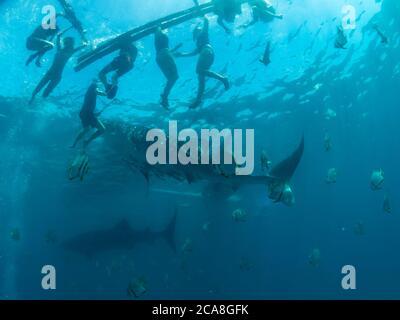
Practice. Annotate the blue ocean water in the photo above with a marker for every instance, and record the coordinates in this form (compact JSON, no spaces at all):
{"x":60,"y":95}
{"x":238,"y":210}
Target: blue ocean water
{"x":311,"y":88}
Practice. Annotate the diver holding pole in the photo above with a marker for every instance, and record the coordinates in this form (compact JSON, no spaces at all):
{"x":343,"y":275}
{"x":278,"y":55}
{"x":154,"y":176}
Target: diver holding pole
{"x":138,"y":33}
{"x":69,"y":14}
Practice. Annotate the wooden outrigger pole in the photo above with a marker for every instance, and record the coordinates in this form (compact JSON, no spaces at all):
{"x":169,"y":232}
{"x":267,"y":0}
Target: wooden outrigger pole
{"x":138,"y":33}
{"x":112,"y":45}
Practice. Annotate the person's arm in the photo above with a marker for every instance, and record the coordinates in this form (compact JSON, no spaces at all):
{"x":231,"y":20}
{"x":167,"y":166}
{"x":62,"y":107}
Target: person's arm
{"x":186,"y":54}
{"x":274,"y":15}
{"x":177,"y":47}
{"x":59,"y":35}
{"x":51,"y":38}
{"x":107,"y":69}
{"x":80,"y":48}
{"x":158,"y":30}
{"x":58,"y":42}
{"x":222,"y":24}
{"x":82,"y":33}
{"x":206,"y":25}
{"x":158,"y":33}
{"x":63,"y":3}
{"x":120,"y":73}
{"x":255,"y":19}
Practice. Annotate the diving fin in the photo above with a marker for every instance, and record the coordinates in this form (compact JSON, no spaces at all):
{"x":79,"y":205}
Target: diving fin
{"x":79,"y":167}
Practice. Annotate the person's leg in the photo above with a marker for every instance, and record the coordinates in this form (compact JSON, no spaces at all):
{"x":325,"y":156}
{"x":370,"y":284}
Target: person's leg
{"x":167,"y":65}
{"x":206,"y":59}
{"x":31,"y":58}
{"x":52,"y":85}
{"x":222,"y":24}
{"x":214,"y":75}
{"x":39,"y":57}
{"x":46,"y":46}
{"x":39,"y":87}
{"x":168,"y":87}
{"x":81,"y":135}
{"x":100,"y":130}
{"x":103,"y":79}
{"x":200,"y":91}
{"x":41,"y":47}
{"x":103,"y":75}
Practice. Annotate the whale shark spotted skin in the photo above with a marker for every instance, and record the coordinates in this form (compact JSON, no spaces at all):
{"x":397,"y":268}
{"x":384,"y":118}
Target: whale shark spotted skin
{"x":222,"y":175}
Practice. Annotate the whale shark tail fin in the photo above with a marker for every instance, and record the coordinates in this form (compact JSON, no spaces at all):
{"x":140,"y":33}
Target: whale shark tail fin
{"x":285,"y":169}
{"x":169,"y":232}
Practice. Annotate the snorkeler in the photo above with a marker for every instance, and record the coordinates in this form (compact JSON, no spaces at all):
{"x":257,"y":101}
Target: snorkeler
{"x":65,"y":50}
{"x":121,"y":65}
{"x":166,"y":62}
{"x":262,"y":11}
{"x":205,"y":61}
{"x":41,"y":42}
{"x":265,"y":59}
{"x":88,"y":118}
{"x":70,"y":15}
{"x":227,"y":10}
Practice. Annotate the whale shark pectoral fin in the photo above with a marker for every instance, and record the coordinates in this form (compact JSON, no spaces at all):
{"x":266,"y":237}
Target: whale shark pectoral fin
{"x":286,"y":168}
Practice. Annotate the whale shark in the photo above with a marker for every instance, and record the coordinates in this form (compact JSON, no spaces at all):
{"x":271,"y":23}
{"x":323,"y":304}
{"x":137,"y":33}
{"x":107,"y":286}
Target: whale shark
{"x":217,"y":177}
{"x":120,"y":237}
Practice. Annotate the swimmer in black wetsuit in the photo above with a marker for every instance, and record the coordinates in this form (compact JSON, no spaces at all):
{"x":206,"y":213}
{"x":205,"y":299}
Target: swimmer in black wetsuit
{"x":121,"y":65}
{"x":166,"y":62}
{"x":262,"y":11}
{"x":88,"y":118}
{"x":41,"y":42}
{"x":65,"y":50}
{"x":227,"y":10}
{"x":206,"y":59}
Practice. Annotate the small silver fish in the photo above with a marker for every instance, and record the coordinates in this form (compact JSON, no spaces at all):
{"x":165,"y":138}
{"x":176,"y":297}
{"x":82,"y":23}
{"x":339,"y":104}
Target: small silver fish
{"x":386,"y":204}
{"x":314,"y":258}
